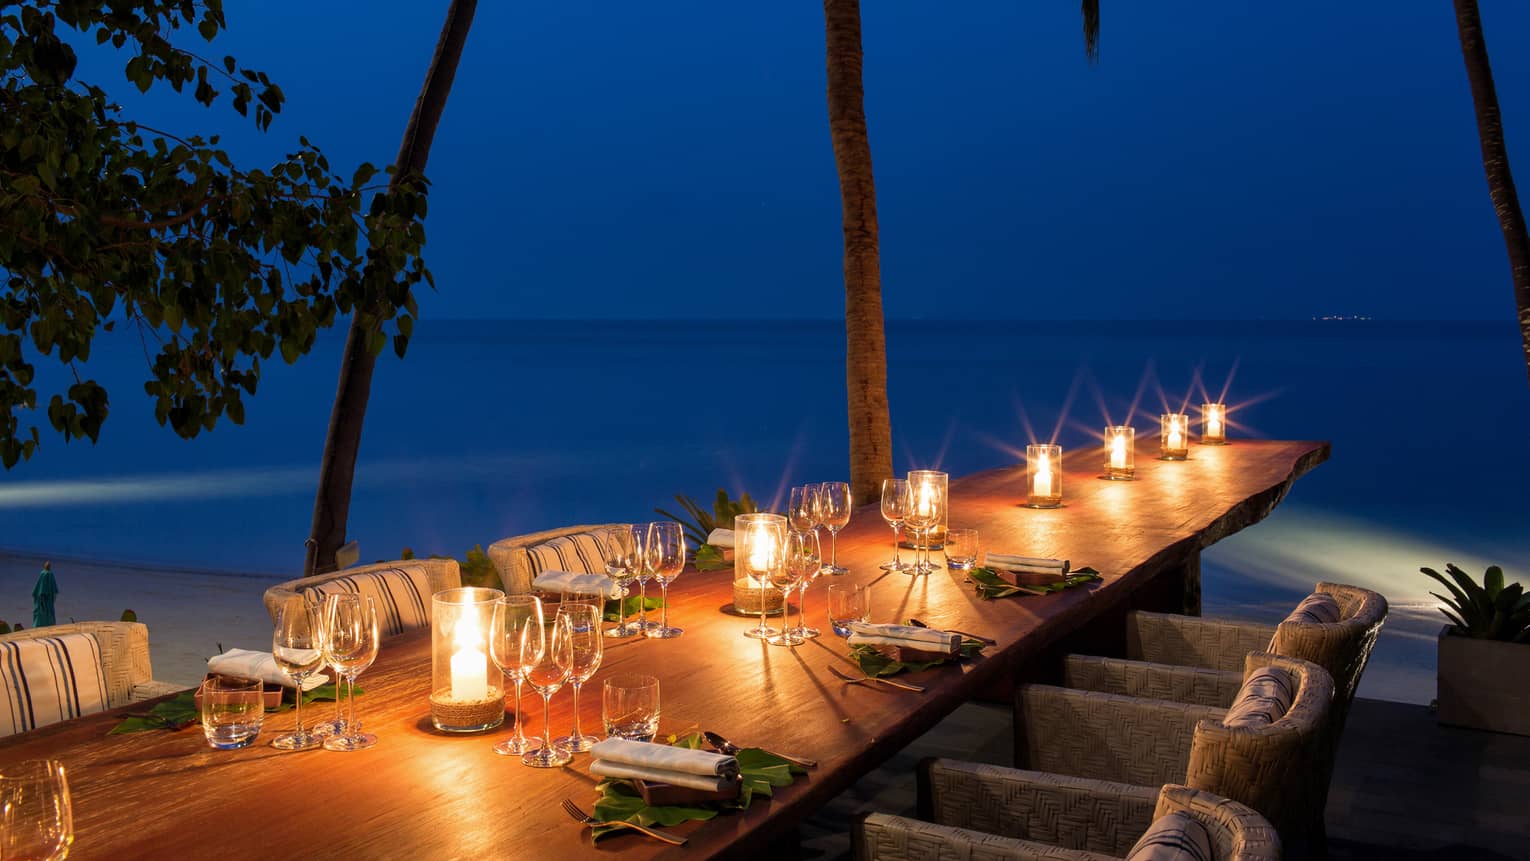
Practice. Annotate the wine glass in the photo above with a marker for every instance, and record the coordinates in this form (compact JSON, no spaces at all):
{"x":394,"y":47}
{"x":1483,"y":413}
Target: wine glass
{"x":36,"y":813}
{"x":515,"y":638}
{"x":801,"y":561}
{"x":586,"y":645}
{"x":809,"y":556}
{"x":623,"y":566}
{"x":848,"y":602}
{"x":896,"y":502}
{"x":350,"y":646}
{"x":834,"y":508}
{"x":643,"y":574}
{"x":919,"y":519}
{"x":298,"y":647}
{"x":800,"y":513}
{"x":546,"y":669}
{"x":665,"y":557}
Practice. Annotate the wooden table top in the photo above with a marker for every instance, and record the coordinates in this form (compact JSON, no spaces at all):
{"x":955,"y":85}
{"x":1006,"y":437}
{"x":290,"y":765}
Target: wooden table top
{"x":423,"y":794}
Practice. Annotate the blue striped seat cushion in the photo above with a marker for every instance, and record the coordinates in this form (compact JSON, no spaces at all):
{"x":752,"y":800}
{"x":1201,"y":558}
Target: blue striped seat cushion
{"x":1319,"y":608}
{"x":1173,"y":837}
{"x":1265,"y":697}
{"x":402,"y":595}
{"x":50,"y":679}
{"x":579,"y":553}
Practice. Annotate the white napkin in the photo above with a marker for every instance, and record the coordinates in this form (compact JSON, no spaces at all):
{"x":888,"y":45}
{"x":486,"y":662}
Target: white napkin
{"x":1028,"y":564}
{"x":721,"y":538}
{"x":568,"y":581}
{"x":927,"y":639}
{"x":666,"y":757}
{"x":258,"y":665}
{"x":659,"y":775}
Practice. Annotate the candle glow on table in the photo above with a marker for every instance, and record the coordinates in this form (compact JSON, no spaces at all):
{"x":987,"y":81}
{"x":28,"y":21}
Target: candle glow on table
{"x":1175,"y":436}
{"x":1213,"y":424}
{"x":1120,"y":453}
{"x":470,"y":668}
{"x":1043,"y":464}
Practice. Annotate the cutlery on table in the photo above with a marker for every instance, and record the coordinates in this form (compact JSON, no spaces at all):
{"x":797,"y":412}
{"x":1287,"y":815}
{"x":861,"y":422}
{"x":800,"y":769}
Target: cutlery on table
{"x":860,"y":680}
{"x":583,"y":818}
{"x":727,"y":747}
{"x":968,"y":634}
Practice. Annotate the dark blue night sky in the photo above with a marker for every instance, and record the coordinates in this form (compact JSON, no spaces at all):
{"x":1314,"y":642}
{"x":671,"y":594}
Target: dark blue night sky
{"x":1223,"y":160}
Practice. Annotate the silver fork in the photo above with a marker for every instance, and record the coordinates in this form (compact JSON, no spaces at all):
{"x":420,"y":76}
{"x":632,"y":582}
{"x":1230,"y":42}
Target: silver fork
{"x":583,"y":818}
{"x":860,"y":680}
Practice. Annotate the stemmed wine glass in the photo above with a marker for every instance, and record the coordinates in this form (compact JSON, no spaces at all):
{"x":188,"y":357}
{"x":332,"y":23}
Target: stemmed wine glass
{"x":801,"y":566}
{"x":834,"y":511}
{"x":643,"y":574}
{"x":665,"y":557}
{"x":897,"y":500}
{"x":515,"y":642}
{"x":546,"y":669}
{"x":586,"y":646}
{"x":808,"y":556}
{"x":802,"y":509}
{"x":350,"y":646}
{"x":921,"y":517}
{"x":36,"y":813}
{"x":298,"y":647}
{"x":623,"y":566}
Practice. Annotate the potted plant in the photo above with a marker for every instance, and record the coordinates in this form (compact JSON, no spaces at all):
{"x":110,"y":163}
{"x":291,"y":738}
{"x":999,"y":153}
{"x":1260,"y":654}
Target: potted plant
{"x":1484,"y":672}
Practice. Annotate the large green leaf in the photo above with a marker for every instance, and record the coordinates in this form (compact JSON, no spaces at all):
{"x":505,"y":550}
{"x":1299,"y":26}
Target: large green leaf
{"x":630,"y":606}
{"x":990,"y":584}
{"x":709,"y":558}
{"x":874,"y":663}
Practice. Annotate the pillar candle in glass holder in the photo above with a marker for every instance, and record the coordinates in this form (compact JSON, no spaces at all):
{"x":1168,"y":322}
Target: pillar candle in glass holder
{"x":1174,"y":436}
{"x":759,"y":544}
{"x":1120,"y":453}
{"x":467,"y":690}
{"x":1213,"y":424}
{"x":930,"y":489}
{"x":1043,"y":476}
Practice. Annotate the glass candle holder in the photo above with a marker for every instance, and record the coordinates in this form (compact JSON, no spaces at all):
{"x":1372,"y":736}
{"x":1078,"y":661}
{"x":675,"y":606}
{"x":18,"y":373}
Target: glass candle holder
{"x":467,"y":691}
{"x":1213,"y":424}
{"x":759,"y":551}
{"x":931,"y":489}
{"x":1043,"y":476}
{"x":1174,"y":436}
{"x":1120,"y":453}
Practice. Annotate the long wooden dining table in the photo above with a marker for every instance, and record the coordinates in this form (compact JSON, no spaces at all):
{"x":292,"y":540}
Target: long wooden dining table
{"x":425,"y":794}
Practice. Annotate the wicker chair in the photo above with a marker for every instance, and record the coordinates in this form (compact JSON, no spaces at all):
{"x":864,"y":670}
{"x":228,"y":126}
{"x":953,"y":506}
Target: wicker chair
{"x":402,"y":589}
{"x":989,"y":812}
{"x":1273,"y":769}
{"x":124,"y":657}
{"x":520,"y":558}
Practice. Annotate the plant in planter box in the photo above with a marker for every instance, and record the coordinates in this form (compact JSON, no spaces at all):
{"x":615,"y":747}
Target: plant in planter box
{"x":1484,"y":652}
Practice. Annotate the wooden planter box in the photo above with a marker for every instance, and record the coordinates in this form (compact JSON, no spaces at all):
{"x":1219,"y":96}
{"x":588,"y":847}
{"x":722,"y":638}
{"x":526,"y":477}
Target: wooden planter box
{"x":1483,"y":684}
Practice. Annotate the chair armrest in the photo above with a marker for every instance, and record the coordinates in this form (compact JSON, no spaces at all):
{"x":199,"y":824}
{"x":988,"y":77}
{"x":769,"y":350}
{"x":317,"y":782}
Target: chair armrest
{"x":151,"y":689}
{"x":1237,"y":832}
{"x":1055,"y":809}
{"x":881,"y":837}
{"x":1194,"y":685}
{"x":1192,"y":641}
{"x":1105,"y":736}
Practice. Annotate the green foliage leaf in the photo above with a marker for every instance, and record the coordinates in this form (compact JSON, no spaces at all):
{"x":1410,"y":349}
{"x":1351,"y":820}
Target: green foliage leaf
{"x":709,"y":558}
{"x":1490,"y":611}
{"x":873,"y":663}
{"x":990,"y":584}
{"x":631,"y":606}
{"x":172,"y":714}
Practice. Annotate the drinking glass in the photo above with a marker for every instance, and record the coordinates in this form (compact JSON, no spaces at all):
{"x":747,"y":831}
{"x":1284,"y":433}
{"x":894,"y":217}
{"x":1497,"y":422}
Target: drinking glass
{"x":961,"y":549}
{"x":351,"y":642}
{"x":804,"y":551}
{"x":665,"y":557}
{"x":515,"y":637}
{"x":848,"y":602}
{"x":897,"y":500}
{"x":834,"y":506}
{"x":546,"y":669}
{"x":586,"y":645}
{"x":800,"y":508}
{"x":623,"y":566}
{"x":36,"y":814}
{"x":630,"y":706}
{"x":232,"y":712}
{"x":298,"y":647}
{"x":920,"y":520}
{"x":644,"y":574}
{"x":786,"y":577}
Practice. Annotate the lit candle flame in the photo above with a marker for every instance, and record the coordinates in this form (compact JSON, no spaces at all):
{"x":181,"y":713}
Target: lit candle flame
{"x":1214,"y":421}
{"x":1041,"y":485}
{"x":926,"y":500}
{"x":1176,"y":433}
{"x":1118,"y":450}
{"x":470,"y":669}
{"x":761,"y":550}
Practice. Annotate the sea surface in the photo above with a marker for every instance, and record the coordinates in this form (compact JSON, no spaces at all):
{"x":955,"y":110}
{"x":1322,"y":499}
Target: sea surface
{"x":494,"y":428}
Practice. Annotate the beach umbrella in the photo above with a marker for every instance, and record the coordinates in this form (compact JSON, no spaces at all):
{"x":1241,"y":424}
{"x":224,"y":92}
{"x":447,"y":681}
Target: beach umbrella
{"x":42,"y":597}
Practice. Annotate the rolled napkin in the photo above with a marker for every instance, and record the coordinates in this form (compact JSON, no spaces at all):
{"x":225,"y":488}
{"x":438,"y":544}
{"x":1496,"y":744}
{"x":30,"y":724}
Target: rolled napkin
{"x":1028,"y":564}
{"x":248,"y":664}
{"x":721,"y":538}
{"x":568,"y":581}
{"x":923,"y":639}
{"x":663,"y":763}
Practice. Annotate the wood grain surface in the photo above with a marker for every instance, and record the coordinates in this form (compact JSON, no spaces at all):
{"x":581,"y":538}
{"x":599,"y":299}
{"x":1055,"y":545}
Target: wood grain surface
{"x":423,"y":794}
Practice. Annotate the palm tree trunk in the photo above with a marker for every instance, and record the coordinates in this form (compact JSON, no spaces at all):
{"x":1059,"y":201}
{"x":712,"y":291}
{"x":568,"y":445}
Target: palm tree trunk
{"x":332,"y":503}
{"x":1495,"y":161}
{"x":865,"y":340}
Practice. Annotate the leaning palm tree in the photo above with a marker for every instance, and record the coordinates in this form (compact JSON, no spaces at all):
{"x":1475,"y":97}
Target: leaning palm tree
{"x":1495,"y":160}
{"x":332,"y":503}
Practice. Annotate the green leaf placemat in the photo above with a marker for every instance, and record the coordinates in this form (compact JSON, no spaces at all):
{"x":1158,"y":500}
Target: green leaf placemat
{"x":873,"y":663}
{"x":181,"y":710}
{"x":630,"y":606}
{"x":709,"y":558}
{"x":991,"y":585}
{"x":760,"y":771}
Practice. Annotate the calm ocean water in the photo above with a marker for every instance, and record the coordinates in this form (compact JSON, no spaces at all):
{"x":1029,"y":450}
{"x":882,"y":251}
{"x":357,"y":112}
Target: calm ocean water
{"x":493,"y":428}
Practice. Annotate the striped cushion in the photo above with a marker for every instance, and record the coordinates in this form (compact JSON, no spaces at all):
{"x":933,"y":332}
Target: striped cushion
{"x":402,"y":595}
{"x":1319,"y":608}
{"x":45,"y":680}
{"x":579,"y":553}
{"x":1266,"y":695}
{"x":1173,"y":837}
